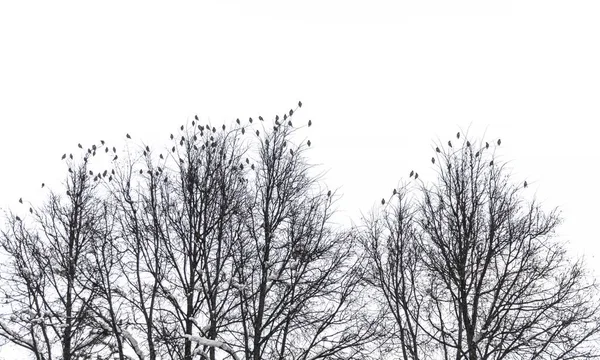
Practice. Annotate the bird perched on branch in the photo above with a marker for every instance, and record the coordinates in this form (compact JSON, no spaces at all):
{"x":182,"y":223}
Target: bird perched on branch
{"x":308,"y":143}
{"x":458,"y":135}
{"x":128,"y":136}
{"x":309,"y":123}
{"x":499,"y":142}
{"x":433,"y":160}
{"x":412,"y":172}
{"x":437,"y":149}
{"x":382,"y":201}
{"x":416,"y":176}
{"x":525,"y":184}
{"x":449,"y":143}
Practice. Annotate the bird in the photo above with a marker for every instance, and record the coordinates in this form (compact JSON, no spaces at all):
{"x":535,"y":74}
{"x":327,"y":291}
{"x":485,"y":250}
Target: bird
{"x":161,"y":156}
{"x":43,"y":185}
{"x":499,"y":142}
{"x":299,"y":104}
{"x":193,"y":123}
{"x":70,"y":170}
{"x":276,"y":117}
{"x":94,"y":147}
{"x":437,"y":149}
{"x":31,"y":210}
{"x":477,"y":154}
{"x":172,"y":136}
{"x":329,"y":193}
{"x":91,"y":173}
{"x":21,"y":200}
{"x":458,"y":135}
{"x":284,"y":116}
{"x":292,"y":152}
{"x":491,"y":162}
{"x":487,"y":145}
{"x":17,"y":218}
{"x":116,"y":157}
{"x":214,"y":129}
{"x":181,"y":127}
{"x":223,"y":127}
{"x":416,"y":176}
{"x":102,"y":142}
{"x":173,"y":149}
{"x":114,"y":149}
{"x":105,"y":172}
{"x":412,"y":172}
{"x":308,"y":143}
{"x":382,"y":201}
{"x":291,"y":112}
{"x":394,"y":192}
{"x":252,"y":166}
{"x":196,"y":117}
{"x":449,"y":143}
{"x":80,"y":146}
{"x":290,"y":123}
{"x":141,"y":171}
{"x":468,"y":144}
{"x":259,"y":118}
{"x":147,"y":148}
{"x":277,"y":122}
{"x":309,"y":123}
{"x":247,"y":161}
{"x":433,"y":160}
{"x":145,"y":154}
{"x":71,"y":156}
{"x":105,"y":150}
{"x":237,"y":121}
{"x":525,"y":184}
{"x":257,"y":133}
{"x":128,"y":136}
{"x":64,"y":157}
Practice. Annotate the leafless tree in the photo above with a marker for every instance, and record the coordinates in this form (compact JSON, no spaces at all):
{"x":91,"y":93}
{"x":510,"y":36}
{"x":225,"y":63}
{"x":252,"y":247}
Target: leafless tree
{"x":475,"y":267}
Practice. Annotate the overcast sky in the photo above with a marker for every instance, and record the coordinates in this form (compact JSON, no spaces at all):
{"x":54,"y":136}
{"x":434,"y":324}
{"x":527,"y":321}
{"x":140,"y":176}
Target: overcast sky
{"x":381,"y":82}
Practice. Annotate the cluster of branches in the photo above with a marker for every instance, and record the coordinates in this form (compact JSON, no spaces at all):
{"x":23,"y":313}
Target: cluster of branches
{"x":468,"y":269}
{"x":219,"y":247}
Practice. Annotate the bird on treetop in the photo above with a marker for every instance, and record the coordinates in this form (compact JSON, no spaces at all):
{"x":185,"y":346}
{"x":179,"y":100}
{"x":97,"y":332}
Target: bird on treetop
{"x":458,"y":135}
{"x":487,"y":145}
{"x":102,"y":142}
{"x":237,"y":121}
{"x":449,"y":143}
{"x":412,"y":172}
{"x":257,"y":133}
{"x":128,"y":136}
{"x":284,"y":116}
{"x":31,"y":210}
{"x":223,"y":127}
{"x":525,"y":184}
{"x":252,"y":166}
{"x":181,"y":127}
{"x":79,"y":145}
{"x":291,"y":112}
{"x":17,"y":218}
{"x":43,"y":185}
{"x":64,"y":157}
{"x":276,"y":117}
{"x":214,"y":129}
{"x":299,"y":104}
{"x":196,"y":117}
{"x":21,"y":200}
{"x":193,"y":123}
{"x":437,"y":149}
{"x":499,"y":142}
{"x":243,"y":131}
{"x":116,"y":157}
{"x":292,"y":152}
{"x":260,"y":118}
{"x":114,"y":149}
{"x":468,"y":144}
{"x":432,"y":160}
{"x":172,"y":137}
{"x":173,"y":149}
{"x":416,"y":176}
{"x":329,"y":193}
{"x":491,"y":162}
{"x":309,"y":123}
{"x":308,"y":143}
{"x":147,"y":148}
{"x":71,"y":156}
{"x":290,"y":123}
{"x":394,"y":192}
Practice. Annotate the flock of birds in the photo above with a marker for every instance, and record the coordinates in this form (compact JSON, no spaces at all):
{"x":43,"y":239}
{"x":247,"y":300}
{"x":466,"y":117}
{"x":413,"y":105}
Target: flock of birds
{"x":438,"y":150}
{"x":202,"y":130}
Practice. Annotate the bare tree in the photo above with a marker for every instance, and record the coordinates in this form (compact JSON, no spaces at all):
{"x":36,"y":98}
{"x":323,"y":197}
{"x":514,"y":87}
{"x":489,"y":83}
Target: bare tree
{"x":493,"y":281}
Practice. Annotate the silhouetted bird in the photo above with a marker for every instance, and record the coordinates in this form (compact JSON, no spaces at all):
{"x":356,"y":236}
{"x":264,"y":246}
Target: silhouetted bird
{"x":31,"y":210}
{"x":43,"y":185}
{"x":94,"y":147}
{"x":105,"y":173}
{"x":394,"y":192}
{"x":64,"y":157}
{"x":277,"y":122}
{"x":525,"y":184}
{"x":145,"y":154}
{"x":116,"y":157}
{"x":17,"y":218}
{"x":458,"y":135}
{"x":291,"y":112}
{"x":267,"y":142}
{"x":290,"y":123}
{"x":243,"y":131}
{"x":196,"y":117}
{"x":432,"y":160}
{"x":91,"y":173}
{"x":71,"y":156}
{"x":181,"y":127}
{"x":449,"y":143}
{"x":70,"y":170}
{"x":468,"y":144}
{"x":309,"y":123}
{"x":292,"y":152}
{"x":147,"y":148}
{"x":257,"y":132}
{"x":416,"y":176}
{"x":181,"y":142}
{"x":487,"y":145}
{"x":260,"y":118}
{"x":114,"y":149}
{"x":172,"y":136}
{"x":252,"y":166}
{"x":477,"y":154}
{"x":491,"y":162}
{"x":329,"y":193}
{"x":141,"y":171}
{"x":214,"y":129}
{"x":382,"y":201}
{"x":102,"y":142}
{"x":68,"y":193}
{"x":284,"y":116}
{"x":80,"y":146}
{"x":105,"y":150}
{"x":412,"y":172}
{"x":299,"y":104}
{"x":247,"y":161}
{"x":112,"y":171}
{"x":128,"y":136}
{"x":161,"y":156}
{"x":110,"y":178}
{"x":250,"y":119}
{"x":276,"y":117}
{"x":173,"y":149}
{"x":237,"y":121}
{"x":499,"y":142}
{"x":308,"y":143}
{"x":437,"y":149}
{"x":21,"y":200}
{"x":223,"y":127}
{"x":193,"y":123}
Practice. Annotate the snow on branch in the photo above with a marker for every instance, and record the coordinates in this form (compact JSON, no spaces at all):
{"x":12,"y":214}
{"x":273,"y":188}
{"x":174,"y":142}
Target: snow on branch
{"x":212,"y":343}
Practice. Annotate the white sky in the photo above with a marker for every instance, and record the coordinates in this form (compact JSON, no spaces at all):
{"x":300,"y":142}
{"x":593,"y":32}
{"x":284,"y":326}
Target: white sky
{"x":381,"y":81}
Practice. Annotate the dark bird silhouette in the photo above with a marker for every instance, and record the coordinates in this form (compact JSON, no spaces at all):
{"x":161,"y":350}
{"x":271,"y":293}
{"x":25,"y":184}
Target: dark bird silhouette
{"x":223,"y":127}
{"x":237,"y":121}
{"x":70,"y":170}
{"x":141,"y":171}
{"x":43,"y":185}
{"x":181,"y":127}
{"x":68,"y":193}
{"x":181,"y":142}
{"x":110,"y":178}
{"x":458,"y":135}
{"x":437,"y":149}
{"x":277,"y":122}
{"x":201,"y":128}
{"x":243,"y":131}
{"x":64,"y":157}
{"x":499,"y":142}
{"x":105,"y":173}
{"x":31,"y":210}
{"x":17,"y":218}
{"x":252,"y":166}
{"x":105,"y":150}
{"x":128,"y":136}
{"x":102,"y":142}
{"x":21,"y":200}
{"x":477,"y":154}
{"x":468,"y":144}
{"x":147,"y":148}
{"x":260,"y":118}
{"x":487,"y":145}
{"x":196,"y":117}
{"x":308,"y":143}
{"x":257,"y":132}
{"x":284,"y":116}
{"x":290,"y":123}
{"x":247,"y":161}
{"x":394,"y":192}
{"x":309,"y":123}
{"x":172,"y":136}
{"x":173,"y":149}
{"x":116,"y":157}
{"x":114,"y":149}
{"x":525,"y":184}
{"x":329,"y":193}
{"x":382,"y":201}
{"x":193,"y":123}
{"x":449,"y":143}
{"x":91,"y":173}
{"x":299,"y":104}
{"x":267,"y":142}
{"x":145,"y":154}
{"x":80,"y":146}
{"x":412,"y":172}
{"x":291,"y":112}
{"x":250,"y":119}
{"x":161,"y":156}
{"x":276,"y":117}
{"x":491,"y":162}
{"x":71,"y":156}
{"x":292,"y":152}
{"x":94,"y":147}
{"x":416,"y":176}
{"x":214,"y":129}
{"x":432,"y":160}
{"x":112,"y":171}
